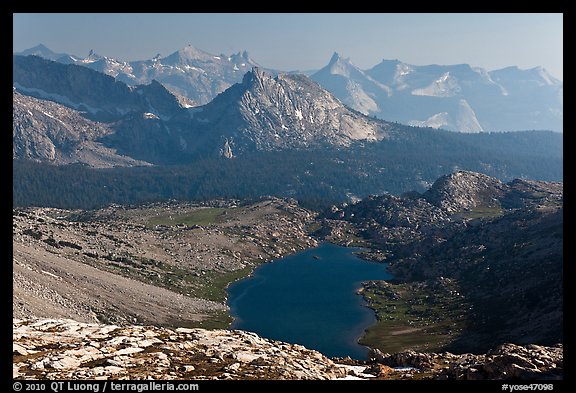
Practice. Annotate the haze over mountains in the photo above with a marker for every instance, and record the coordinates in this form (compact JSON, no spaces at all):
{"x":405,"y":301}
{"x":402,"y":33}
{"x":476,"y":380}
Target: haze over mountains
{"x":284,"y":135}
{"x":260,"y":113}
{"x":454,"y":97}
{"x":268,"y":134}
{"x":192,"y":74}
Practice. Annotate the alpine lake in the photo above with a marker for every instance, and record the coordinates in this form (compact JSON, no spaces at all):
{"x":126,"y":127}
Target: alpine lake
{"x":309,"y":298}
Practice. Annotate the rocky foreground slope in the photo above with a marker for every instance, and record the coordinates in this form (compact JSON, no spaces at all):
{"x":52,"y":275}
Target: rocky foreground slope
{"x":65,"y":349}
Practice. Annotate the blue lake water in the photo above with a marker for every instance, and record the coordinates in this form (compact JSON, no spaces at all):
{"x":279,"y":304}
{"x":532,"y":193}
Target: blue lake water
{"x":310,"y":299}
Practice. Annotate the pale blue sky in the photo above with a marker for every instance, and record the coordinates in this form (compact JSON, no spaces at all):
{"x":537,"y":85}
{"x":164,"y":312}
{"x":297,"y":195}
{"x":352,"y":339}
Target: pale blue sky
{"x":307,"y":41}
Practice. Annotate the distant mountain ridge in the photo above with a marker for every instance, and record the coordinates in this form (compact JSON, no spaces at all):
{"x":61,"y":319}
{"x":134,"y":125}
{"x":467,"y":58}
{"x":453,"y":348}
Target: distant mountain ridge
{"x":45,"y":131}
{"x":455,"y":97}
{"x":282,"y":135}
{"x":41,"y":50}
{"x":98,"y":95}
{"x":195,"y":76}
{"x":262,"y":112}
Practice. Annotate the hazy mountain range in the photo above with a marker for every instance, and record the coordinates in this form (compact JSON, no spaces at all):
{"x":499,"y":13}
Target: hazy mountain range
{"x":260,"y":113}
{"x":454,"y":97}
{"x":268,"y":134}
{"x":193,"y":75}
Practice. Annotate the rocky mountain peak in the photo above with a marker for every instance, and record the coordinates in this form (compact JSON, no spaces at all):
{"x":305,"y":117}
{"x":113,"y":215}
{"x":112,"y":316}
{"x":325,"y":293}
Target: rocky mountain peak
{"x":255,"y":76}
{"x":42,"y":51}
{"x":93,"y":56}
{"x":335,"y":58}
{"x":190,"y":52}
{"x":159,"y":99}
{"x":241,"y":58}
{"x":463,"y":190}
{"x":46,"y":131}
{"x":287,"y":111}
{"x":350,"y":84}
{"x":41,"y":47}
{"x":339,"y":65}
{"x":545,"y":75}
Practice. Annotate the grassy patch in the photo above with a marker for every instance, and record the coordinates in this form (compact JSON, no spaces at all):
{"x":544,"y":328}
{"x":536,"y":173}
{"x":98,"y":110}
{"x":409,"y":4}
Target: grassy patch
{"x":216,"y":320}
{"x":205,"y":216}
{"x":214,"y":284}
{"x":313,"y":227}
{"x":417,"y":316}
{"x":482,"y":212}
{"x":211,"y":285}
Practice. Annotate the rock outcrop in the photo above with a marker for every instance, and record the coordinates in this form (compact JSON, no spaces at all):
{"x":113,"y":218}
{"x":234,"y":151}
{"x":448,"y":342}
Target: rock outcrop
{"x":507,"y":361}
{"x":46,"y":131}
{"x":464,"y":190}
{"x":500,"y":244}
{"x":65,"y":349}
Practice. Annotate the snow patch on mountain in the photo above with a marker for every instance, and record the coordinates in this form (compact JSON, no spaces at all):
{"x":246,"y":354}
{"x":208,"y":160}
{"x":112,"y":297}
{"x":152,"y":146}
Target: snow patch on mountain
{"x":39,"y":93}
{"x":445,"y":86}
{"x":463,"y":119}
{"x":438,"y":120}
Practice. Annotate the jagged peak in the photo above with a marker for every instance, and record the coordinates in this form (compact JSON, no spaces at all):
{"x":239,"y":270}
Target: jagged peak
{"x":335,"y":57}
{"x":93,"y":55}
{"x":190,"y":51}
{"x":255,"y":74}
{"x":41,"y":47}
{"x":240,"y":57}
{"x":338,"y":59}
{"x":339,"y":65}
{"x":258,"y":77}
